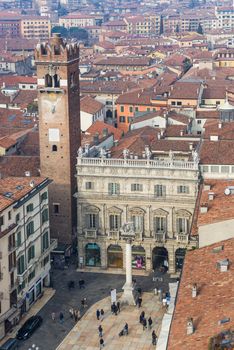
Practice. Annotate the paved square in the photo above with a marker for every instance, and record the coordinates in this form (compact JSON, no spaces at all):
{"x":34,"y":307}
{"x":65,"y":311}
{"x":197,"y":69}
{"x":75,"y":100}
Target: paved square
{"x":84,"y":335}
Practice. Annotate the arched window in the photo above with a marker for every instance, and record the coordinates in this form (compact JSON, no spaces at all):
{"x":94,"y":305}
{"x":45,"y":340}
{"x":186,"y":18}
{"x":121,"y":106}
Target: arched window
{"x":48,"y":81}
{"x":56,"y":81}
{"x":57,"y":50}
{"x":54,"y":148}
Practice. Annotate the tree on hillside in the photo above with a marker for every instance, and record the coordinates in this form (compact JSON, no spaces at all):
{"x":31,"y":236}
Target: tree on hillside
{"x":193,"y":3}
{"x":177,"y":30}
{"x":186,"y":64}
{"x":60,"y":29}
{"x":78,"y":33}
{"x":200,"y":29}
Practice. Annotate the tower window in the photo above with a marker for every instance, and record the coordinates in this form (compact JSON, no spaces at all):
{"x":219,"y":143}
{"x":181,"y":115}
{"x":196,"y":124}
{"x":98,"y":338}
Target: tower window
{"x":56,"y":208}
{"x":57,"y":50}
{"x":56,"y":81}
{"x":54,"y":148}
{"x":48,"y":80}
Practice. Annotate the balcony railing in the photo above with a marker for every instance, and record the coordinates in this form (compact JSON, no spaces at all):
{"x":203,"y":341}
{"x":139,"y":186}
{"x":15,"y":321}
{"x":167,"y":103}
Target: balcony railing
{"x":21,"y":277}
{"x":114,"y":234}
{"x":160,"y":236}
{"x":138,"y":163}
{"x":12,"y":247}
{"x":90,"y":233}
{"x":182,"y":237}
{"x":52,"y":246}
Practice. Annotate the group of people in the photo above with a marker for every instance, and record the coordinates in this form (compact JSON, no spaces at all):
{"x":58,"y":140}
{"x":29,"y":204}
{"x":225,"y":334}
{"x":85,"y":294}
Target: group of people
{"x":75,"y":314}
{"x":100,"y":313}
{"x":115,"y":308}
{"x":144,"y":322}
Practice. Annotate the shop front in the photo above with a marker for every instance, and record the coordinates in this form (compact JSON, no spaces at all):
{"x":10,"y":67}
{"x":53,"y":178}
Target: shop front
{"x":92,"y":255}
{"x":138,"y":257}
{"x":115,"y":256}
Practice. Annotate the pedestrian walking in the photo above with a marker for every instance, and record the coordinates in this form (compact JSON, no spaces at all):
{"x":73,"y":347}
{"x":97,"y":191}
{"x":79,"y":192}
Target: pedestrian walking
{"x":61,"y":317}
{"x":141,"y":318}
{"x":100,"y":331}
{"x":126,"y":328}
{"x":118,"y":306}
{"x":53,"y":316}
{"x":102,"y":314}
{"x":143,"y":314}
{"x":144,"y":323}
{"x":113,"y":307}
{"x":101,"y":342}
{"x":150,"y":322}
{"x":75,"y":315}
{"x":154,"y":338}
{"x":84,"y":302}
{"x":98,"y":314}
{"x":78,"y":314}
{"x":71,"y":312}
{"x":139,"y":301}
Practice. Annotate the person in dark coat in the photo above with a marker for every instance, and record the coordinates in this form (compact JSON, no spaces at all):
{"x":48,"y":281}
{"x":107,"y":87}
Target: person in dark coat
{"x":101,"y":342}
{"x":144,"y":323}
{"x":139,"y":301}
{"x":100,"y":330}
{"x":61,"y":317}
{"x":118,"y":306}
{"x":126,"y":328}
{"x":98,"y":314}
{"x":102,"y":314}
{"x":154,"y":338}
{"x":150,"y":322}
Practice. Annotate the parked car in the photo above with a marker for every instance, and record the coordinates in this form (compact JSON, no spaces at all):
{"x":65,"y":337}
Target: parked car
{"x":29,"y":327}
{"x":10,"y":344}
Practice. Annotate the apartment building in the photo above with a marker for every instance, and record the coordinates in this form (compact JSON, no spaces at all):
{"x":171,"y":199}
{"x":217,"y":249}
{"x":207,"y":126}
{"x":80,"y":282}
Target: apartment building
{"x":33,"y":27}
{"x":9,"y":25}
{"x":145,"y":25}
{"x":80,"y":20}
{"x":140,"y":180}
{"x":225,"y":17}
{"x":25,"y":246}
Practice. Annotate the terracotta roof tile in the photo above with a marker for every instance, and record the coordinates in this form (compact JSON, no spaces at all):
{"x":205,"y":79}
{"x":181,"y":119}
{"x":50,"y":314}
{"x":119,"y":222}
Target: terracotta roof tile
{"x":9,"y":185}
{"x":214,"y":302}
{"x":89,"y":105}
{"x":99,"y":126}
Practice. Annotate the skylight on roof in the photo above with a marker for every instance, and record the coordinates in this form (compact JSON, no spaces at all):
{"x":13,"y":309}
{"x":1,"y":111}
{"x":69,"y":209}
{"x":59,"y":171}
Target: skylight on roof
{"x":8,"y":194}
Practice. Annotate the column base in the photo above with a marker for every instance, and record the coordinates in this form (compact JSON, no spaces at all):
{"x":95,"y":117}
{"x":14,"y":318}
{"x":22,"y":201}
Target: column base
{"x":128,"y":297}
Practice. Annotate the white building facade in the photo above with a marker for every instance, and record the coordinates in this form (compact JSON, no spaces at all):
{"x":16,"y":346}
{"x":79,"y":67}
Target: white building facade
{"x":25,"y":247}
{"x":157,"y":196}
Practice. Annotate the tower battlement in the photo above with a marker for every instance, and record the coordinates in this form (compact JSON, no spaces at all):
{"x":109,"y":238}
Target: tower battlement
{"x":56,"y":49}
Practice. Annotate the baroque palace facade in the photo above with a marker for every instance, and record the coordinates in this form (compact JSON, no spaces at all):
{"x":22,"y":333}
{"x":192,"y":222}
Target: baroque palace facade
{"x":157,"y":196}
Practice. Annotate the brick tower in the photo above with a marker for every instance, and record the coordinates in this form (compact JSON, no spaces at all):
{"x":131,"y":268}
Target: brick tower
{"x":59,"y":128}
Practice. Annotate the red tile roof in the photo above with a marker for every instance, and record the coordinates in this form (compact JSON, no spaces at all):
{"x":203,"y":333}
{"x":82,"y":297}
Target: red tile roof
{"x":214,"y":302}
{"x":99,"y":126}
{"x":9,"y":184}
{"x":89,"y":105}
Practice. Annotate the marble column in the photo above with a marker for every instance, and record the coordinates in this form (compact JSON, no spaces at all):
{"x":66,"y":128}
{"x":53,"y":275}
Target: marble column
{"x":128,"y":288}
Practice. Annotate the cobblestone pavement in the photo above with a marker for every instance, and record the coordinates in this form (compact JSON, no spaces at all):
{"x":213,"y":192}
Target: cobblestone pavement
{"x":98,"y":286}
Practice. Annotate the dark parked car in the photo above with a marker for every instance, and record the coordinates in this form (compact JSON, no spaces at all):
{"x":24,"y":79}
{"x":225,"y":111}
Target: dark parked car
{"x":29,"y":327}
{"x":10,"y":344}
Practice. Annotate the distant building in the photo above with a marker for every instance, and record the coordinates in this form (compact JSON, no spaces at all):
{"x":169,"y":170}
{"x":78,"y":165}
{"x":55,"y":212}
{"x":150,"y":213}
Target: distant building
{"x":33,"y":27}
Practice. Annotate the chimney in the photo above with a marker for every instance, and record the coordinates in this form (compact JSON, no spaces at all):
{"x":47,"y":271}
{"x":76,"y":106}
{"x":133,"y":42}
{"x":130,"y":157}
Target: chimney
{"x":194,"y":290}
{"x":96,"y":138}
{"x":220,"y":125}
{"x":211,"y":196}
{"x":159,"y":135}
{"x":105,"y":132}
{"x":223,"y":265}
{"x":27,"y":173}
{"x":204,"y":208}
{"x":190,"y":327}
{"x":181,"y":132}
{"x":116,"y":142}
{"x":191,"y":146}
{"x":207,"y":187}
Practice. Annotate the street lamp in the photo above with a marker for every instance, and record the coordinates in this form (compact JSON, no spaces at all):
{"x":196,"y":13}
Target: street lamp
{"x":127,"y":233}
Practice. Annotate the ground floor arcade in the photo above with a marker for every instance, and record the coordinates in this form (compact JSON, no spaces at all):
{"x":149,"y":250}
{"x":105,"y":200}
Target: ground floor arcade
{"x":107,"y":254}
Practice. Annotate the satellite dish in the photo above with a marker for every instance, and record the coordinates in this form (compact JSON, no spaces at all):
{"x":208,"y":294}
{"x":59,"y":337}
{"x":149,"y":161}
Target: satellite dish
{"x":227,"y":191}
